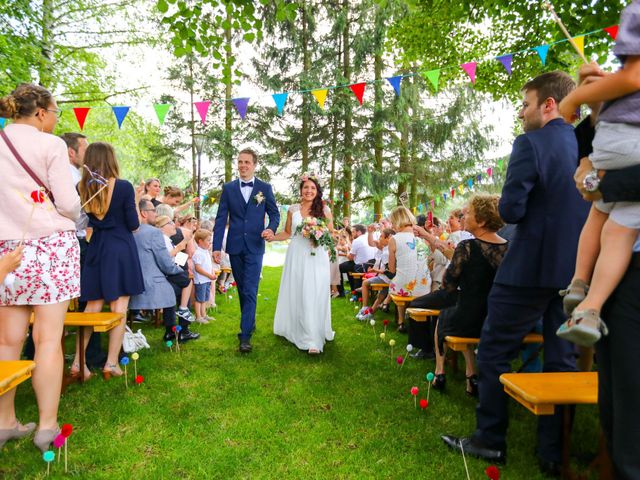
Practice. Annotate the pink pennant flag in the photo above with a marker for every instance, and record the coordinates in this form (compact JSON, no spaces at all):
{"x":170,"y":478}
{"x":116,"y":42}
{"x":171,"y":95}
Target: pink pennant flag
{"x":432,"y":204}
{"x":203,"y":108}
{"x":358,"y":90}
{"x":470,"y":68}
{"x":489,"y":171}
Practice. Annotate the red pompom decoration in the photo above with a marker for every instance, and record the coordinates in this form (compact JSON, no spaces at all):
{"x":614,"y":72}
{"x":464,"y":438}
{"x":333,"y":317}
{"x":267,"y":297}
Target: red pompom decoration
{"x":385,"y":322}
{"x":173,"y":329}
{"x":492,"y":472}
{"x":37,"y":196}
{"x":414,"y":391}
{"x":353,"y":292}
{"x":233,"y":284}
{"x":139,"y":379}
{"x":400,"y":360}
{"x":66,"y":430}
{"x":423,"y":403}
{"x":360,"y":299}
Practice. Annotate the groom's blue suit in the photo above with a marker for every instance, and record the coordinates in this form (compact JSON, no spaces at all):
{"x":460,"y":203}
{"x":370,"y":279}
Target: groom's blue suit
{"x":245,"y":245}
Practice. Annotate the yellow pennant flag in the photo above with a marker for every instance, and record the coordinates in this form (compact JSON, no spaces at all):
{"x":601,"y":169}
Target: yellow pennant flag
{"x":461,"y":188}
{"x":321,"y":96}
{"x":579,"y":41}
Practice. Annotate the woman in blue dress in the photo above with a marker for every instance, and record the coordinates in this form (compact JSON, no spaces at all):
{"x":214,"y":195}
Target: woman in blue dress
{"x":111,"y":272}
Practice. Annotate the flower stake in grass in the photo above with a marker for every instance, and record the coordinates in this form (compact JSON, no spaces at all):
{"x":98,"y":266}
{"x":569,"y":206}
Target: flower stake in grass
{"x":135,"y":357}
{"x":139,"y":379}
{"x":124,"y":361}
{"x":430,"y":377}
{"x":400,"y":360}
{"x":169,"y":344}
{"x":372,"y":322}
{"x":48,"y":457}
{"x":178,"y":329}
{"x":382,"y":335}
{"x":385,"y":322}
{"x":414,"y":393}
{"x":409,"y":350}
{"x":58,"y":442}
{"x":466,"y":469}
{"x":424,"y":403}
{"x":66,"y":431}
{"x":392,"y":343}
{"x":492,"y":472}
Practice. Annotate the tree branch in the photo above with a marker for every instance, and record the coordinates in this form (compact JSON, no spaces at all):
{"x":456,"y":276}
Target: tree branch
{"x":96,"y":99}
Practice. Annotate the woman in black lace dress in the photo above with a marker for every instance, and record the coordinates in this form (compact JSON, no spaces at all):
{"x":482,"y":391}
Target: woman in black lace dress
{"x":471,"y":272}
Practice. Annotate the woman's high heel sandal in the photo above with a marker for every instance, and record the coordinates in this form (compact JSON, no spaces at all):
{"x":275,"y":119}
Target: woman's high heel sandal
{"x":74,"y":372}
{"x":16,"y":432}
{"x":472,"y":386}
{"x":43,"y":438}
{"x":110,"y":370}
{"x":439,"y":381}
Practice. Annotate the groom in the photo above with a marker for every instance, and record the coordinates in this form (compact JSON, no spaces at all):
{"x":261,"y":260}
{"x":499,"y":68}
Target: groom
{"x":243,"y":205}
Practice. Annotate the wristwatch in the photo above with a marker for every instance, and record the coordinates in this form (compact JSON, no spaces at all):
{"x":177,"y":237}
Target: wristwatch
{"x":591,"y":181}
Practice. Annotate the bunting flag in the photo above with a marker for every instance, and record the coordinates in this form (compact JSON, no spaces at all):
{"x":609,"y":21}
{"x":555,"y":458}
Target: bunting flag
{"x":430,"y":218}
{"x":542,"y":52}
{"x":3,"y":122}
{"x":358,"y":90}
{"x":500,"y":163}
{"x":470,"y":184}
{"x":579,"y":41}
{"x":437,"y":201}
{"x":470,"y":68}
{"x":120,"y":113}
{"x":506,"y":61}
{"x":161,"y":111}
{"x":461,"y":188}
{"x":395,"y":83}
{"x":479,"y":178}
{"x":489,"y":171}
{"x":202,"y":108}
{"x":432,"y":204}
{"x":444,"y":197}
{"x":434,"y":77}
{"x":612,"y":30}
{"x":280,"y":99}
{"x":321,"y":96}
{"x":241,"y":105}
{"x":453,"y":193}
{"x":81,"y":115}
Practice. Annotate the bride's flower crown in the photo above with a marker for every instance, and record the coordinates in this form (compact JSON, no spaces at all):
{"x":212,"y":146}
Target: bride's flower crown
{"x":309,"y":176}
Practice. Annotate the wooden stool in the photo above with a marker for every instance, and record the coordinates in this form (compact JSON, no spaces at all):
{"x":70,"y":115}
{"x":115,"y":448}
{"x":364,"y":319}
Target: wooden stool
{"x":422,"y":314}
{"x":13,"y":373}
{"x":400,"y":303}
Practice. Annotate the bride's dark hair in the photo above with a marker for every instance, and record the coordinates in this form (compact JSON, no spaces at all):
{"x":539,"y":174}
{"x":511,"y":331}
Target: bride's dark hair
{"x":317,"y":206}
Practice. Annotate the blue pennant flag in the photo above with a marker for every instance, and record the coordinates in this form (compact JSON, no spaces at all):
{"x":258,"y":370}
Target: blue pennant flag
{"x":542,"y":51}
{"x":280,"y":99}
{"x":444,"y":195}
{"x":470,"y":183}
{"x":120,"y":113}
{"x":395,"y":83}
{"x":479,"y":178}
{"x":3,"y":121}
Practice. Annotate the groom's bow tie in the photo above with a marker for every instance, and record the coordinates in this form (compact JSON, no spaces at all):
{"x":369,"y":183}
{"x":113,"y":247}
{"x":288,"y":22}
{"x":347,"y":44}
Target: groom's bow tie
{"x":246,"y":184}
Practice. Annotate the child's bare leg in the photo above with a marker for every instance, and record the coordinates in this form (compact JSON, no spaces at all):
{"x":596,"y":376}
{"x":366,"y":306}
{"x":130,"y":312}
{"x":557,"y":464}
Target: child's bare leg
{"x":365,"y":293}
{"x":378,"y":301}
{"x":589,"y":244}
{"x":612,"y":263}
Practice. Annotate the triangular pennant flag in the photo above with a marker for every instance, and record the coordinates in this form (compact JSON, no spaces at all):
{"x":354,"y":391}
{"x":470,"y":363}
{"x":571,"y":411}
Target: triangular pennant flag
{"x":489,"y":171}
{"x":321,"y":96}
{"x":434,"y":77}
{"x":579,"y":41}
{"x":120,"y":113}
{"x":430,"y":218}
{"x":395,"y":83}
{"x":81,"y":115}
{"x":542,"y":52}
{"x":612,"y":30}
{"x":479,"y":178}
{"x":420,"y":208}
{"x":470,"y":183}
{"x":438,"y":200}
{"x":432,"y":205}
{"x":500,"y":164}
{"x":161,"y":111}
{"x":470,"y":68}
{"x":506,"y":61}
{"x":3,"y":122}
{"x":202,"y":108}
{"x":358,"y":90}
{"x":461,"y":188}
{"x":453,"y":193}
{"x":241,"y":105}
{"x":444,"y":196}
{"x":280,"y":99}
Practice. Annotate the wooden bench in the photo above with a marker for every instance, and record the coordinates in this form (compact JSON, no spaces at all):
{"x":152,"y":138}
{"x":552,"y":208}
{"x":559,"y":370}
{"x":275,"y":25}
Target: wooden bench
{"x":541,"y":393}
{"x":13,"y":373}
{"x":378,"y":287}
{"x":460,"y":344}
{"x":400,"y":303}
{"x":99,"y":322}
{"x":225,"y":269}
{"x":422,"y":314}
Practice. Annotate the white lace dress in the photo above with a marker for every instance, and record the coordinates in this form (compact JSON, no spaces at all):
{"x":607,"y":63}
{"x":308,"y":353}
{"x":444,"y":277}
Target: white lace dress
{"x":303,"y":312}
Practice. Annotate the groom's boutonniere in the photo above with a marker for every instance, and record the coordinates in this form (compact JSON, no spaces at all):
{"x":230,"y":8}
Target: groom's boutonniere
{"x":259,"y":198}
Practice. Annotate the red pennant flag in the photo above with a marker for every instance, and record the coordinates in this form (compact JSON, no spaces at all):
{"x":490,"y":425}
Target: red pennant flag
{"x":453,"y":192}
{"x":612,"y":30}
{"x":81,"y":115}
{"x":358,"y":90}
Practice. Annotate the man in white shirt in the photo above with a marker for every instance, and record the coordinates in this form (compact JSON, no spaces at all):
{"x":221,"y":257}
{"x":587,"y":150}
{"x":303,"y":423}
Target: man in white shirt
{"x":361,"y":254}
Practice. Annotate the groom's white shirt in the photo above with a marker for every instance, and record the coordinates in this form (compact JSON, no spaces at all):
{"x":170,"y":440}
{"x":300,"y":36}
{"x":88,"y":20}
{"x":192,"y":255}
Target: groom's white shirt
{"x":246,"y":191}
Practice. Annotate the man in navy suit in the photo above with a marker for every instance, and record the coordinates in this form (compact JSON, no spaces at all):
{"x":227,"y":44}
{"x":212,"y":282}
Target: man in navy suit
{"x":548,"y":213}
{"x":243,"y":204}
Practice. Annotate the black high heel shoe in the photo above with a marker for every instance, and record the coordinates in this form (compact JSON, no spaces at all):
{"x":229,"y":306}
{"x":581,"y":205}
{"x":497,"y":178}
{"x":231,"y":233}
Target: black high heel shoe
{"x":439,"y":381}
{"x":472,"y":386}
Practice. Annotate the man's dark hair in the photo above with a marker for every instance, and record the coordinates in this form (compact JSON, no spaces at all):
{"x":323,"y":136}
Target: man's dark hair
{"x":251,"y":152}
{"x":142,"y":204}
{"x":360,"y":228}
{"x":556,"y":85}
{"x":71,"y":139}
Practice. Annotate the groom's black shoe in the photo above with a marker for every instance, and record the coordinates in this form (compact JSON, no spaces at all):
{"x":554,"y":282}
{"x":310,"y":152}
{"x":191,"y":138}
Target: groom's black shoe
{"x":245,"y":347}
{"x":475,"y":448}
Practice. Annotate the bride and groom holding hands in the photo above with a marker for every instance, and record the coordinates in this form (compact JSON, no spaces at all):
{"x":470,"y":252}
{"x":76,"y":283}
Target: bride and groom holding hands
{"x":303,"y":311}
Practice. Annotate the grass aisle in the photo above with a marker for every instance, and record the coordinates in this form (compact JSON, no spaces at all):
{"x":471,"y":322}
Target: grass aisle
{"x":275,"y":413}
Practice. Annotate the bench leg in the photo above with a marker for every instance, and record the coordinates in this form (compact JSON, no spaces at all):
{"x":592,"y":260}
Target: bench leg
{"x":81,"y":353}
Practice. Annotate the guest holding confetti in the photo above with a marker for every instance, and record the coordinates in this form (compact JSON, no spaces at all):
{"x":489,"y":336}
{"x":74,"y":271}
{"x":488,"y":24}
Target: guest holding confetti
{"x":42,"y":225}
{"x":111,"y":272}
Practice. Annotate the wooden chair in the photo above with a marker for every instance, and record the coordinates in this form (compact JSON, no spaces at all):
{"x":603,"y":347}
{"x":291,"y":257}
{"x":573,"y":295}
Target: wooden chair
{"x":13,"y":373}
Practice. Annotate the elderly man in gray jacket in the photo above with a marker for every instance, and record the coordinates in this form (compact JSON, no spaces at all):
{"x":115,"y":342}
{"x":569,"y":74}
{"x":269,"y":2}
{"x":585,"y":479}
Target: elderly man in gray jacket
{"x":157,"y":268}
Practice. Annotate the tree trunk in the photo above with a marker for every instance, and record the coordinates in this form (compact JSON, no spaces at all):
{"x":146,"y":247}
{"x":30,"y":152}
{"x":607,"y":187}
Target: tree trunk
{"x":228,"y":128}
{"x":403,"y":168}
{"x":377,"y":134}
{"x":306,"y":65}
{"x":347,"y":167}
{"x":332,"y":179}
{"x":194,"y":179}
{"x":45,"y":69}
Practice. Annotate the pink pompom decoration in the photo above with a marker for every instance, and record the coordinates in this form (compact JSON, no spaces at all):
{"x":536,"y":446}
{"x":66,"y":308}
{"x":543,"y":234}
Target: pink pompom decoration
{"x":414,"y":391}
{"x":59,"y":441}
{"x":400,"y":360}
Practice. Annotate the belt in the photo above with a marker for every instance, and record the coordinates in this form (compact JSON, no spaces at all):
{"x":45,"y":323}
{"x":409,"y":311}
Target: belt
{"x":635,"y":260}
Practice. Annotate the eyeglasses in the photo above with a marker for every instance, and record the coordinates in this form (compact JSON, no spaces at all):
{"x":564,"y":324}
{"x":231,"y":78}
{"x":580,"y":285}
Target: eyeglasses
{"x":57,"y":111}
{"x":149,"y":210}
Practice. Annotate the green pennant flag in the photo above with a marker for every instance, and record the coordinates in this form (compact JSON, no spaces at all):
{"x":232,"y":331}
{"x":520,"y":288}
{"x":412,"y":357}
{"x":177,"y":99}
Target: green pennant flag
{"x":437,"y":200}
{"x":161,"y":111}
{"x":434,"y":77}
{"x":500,"y":164}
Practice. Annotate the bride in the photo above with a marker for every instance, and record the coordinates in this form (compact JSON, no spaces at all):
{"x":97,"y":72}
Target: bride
{"x":303,"y":312}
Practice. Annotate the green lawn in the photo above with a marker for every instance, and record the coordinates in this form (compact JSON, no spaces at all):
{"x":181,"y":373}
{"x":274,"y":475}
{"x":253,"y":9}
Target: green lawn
{"x":275,"y":413}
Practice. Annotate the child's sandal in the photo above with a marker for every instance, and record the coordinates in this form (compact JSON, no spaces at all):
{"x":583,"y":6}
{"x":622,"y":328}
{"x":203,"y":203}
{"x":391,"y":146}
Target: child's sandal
{"x":573,"y":295}
{"x":584,"y":327}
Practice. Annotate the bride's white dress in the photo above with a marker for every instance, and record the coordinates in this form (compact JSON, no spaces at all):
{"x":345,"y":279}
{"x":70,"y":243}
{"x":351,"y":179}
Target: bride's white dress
{"x":303,"y":312}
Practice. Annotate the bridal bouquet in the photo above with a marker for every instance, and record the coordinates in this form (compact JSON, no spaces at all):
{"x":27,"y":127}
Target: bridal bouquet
{"x":316,"y":231}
